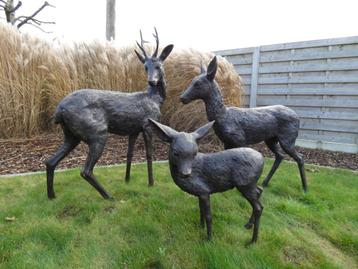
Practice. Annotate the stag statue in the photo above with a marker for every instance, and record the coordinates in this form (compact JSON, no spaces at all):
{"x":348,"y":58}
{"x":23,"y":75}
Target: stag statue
{"x":239,"y":127}
{"x":204,"y":174}
{"x":89,"y":115}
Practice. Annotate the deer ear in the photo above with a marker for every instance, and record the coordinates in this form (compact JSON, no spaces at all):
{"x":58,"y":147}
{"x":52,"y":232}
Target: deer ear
{"x":213,"y":66}
{"x":202,"y":131}
{"x":140,"y":57}
{"x":165,"y":52}
{"x":164,"y":132}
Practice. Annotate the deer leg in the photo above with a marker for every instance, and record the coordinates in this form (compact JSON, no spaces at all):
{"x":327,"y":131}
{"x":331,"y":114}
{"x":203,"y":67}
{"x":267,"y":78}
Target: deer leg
{"x":251,"y":221}
{"x":131,"y":142}
{"x":251,"y":194}
{"x":207,"y":212}
{"x":149,"y":154}
{"x":272,"y":145}
{"x":69,"y":144}
{"x":95,"y":152}
{"x":202,"y":213}
{"x":258,"y":212}
{"x":290,"y":150}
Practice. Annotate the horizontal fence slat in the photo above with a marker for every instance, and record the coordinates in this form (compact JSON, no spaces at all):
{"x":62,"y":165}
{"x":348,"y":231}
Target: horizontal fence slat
{"x":234,"y":51}
{"x":328,"y":115}
{"x":306,"y":102}
{"x":310,"y":89}
{"x":246,"y":79}
{"x":243,"y":69}
{"x":245,"y":91}
{"x":333,"y":127}
{"x":240,"y":59}
{"x":307,"y":91}
{"x":311,"y":77}
{"x":349,"y":126}
{"x":350,"y":148}
{"x":328,"y":136}
{"x":311,"y":43}
{"x":307,"y":66}
{"x":308,"y":55}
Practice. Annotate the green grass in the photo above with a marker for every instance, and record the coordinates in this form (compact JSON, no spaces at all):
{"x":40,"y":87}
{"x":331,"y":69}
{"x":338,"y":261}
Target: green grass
{"x":158,"y":227}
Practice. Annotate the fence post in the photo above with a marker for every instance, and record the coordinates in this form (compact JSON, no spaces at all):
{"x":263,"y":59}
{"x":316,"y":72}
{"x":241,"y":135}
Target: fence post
{"x":254,"y":76}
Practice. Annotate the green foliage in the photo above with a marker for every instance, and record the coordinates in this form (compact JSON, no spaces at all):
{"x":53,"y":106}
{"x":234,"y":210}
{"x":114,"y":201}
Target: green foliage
{"x":159,"y":227}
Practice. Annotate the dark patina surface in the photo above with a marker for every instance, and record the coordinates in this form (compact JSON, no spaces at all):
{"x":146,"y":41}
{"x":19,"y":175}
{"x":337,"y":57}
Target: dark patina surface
{"x":204,"y":174}
{"x":239,"y":127}
{"x":89,"y":115}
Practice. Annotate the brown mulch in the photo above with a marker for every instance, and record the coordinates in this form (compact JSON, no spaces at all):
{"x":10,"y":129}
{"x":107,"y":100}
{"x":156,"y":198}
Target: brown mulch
{"x":28,"y":155}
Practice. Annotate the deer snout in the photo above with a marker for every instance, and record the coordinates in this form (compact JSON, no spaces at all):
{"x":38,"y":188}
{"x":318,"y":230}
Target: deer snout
{"x":184,"y":99}
{"x":186,"y":174}
{"x":185,"y":171}
{"x":153,"y":82}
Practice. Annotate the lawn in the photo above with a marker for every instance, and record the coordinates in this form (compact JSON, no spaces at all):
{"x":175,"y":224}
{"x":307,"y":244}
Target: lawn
{"x":159,"y":227}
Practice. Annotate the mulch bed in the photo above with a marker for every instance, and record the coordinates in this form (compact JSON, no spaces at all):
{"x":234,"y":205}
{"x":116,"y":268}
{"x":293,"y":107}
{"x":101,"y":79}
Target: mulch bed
{"x":28,"y":155}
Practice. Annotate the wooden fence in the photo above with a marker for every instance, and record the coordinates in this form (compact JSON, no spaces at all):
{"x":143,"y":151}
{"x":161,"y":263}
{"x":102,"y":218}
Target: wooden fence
{"x":318,"y":79}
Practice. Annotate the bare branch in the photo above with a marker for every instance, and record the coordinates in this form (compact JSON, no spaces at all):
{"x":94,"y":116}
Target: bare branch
{"x":38,"y":22}
{"x":19,"y":4}
{"x":2,"y":7}
{"x":48,"y":4}
{"x":45,"y":4}
{"x":20,"y":18}
{"x":43,"y":22}
{"x":38,"y":27}
{"x":2,"y":1}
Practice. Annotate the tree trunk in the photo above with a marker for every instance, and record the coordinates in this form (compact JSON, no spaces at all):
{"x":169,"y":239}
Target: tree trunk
{"x":110,"y":20}
{"x":9,"y":13}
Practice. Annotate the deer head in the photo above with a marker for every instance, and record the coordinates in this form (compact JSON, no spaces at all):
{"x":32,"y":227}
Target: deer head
{"x":153,"y":64}
{"x":202,"y":85}
{"x":183,"y":146}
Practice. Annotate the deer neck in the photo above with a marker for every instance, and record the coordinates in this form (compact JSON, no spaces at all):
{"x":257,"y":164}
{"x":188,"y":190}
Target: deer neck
{"x":158,"y":91}
{"x":214,"y":104}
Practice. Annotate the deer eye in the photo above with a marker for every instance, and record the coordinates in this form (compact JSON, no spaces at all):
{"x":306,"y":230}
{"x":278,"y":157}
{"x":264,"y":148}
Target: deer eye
{"x":176,"y":154}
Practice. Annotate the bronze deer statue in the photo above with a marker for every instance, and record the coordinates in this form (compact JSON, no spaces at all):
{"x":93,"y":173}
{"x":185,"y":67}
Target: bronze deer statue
{"x":204,"y":174}
{"x":239,"y":127}
{"x":89,"y":115}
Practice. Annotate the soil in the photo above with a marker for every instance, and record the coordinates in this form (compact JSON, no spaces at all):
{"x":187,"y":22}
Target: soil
{"x":28,"y":155}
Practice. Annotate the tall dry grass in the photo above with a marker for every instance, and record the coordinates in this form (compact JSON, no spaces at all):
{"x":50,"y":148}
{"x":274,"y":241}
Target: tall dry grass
{"x":36,"y":75}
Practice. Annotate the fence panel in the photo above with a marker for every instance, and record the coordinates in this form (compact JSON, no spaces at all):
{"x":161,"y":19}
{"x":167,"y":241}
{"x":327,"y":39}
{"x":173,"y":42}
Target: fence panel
{"x":318,"y":79}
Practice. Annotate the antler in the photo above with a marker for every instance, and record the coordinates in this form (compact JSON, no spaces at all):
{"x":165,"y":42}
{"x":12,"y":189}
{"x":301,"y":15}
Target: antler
{"x":157,"y":41}
{"x":141,"y":46}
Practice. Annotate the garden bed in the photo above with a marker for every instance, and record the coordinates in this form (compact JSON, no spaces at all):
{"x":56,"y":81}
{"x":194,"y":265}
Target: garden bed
{"x":28,"y":155}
